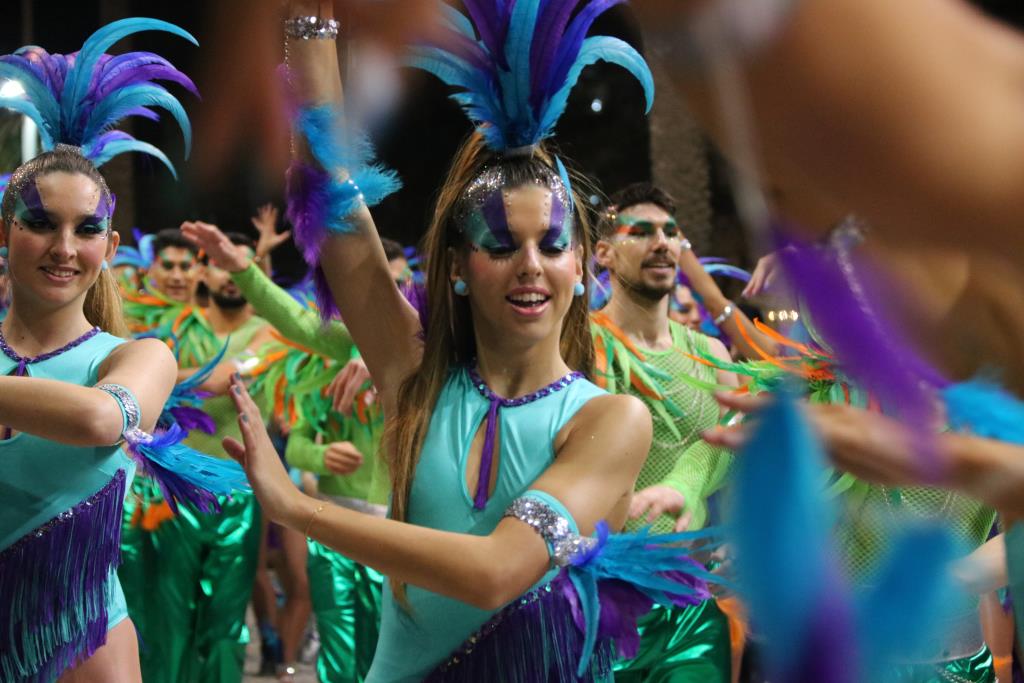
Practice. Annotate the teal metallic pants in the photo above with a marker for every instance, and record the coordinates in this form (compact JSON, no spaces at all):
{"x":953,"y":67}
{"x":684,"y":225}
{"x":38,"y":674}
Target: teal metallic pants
{"x":681,"y":645}
{"x":975,"y":669}
{"x":200,"y":591}
{"x":346,"y":602}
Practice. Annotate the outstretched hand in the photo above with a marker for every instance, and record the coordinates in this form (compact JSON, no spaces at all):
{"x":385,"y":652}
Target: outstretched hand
{"x":654,"y":501}
{"x":764,"y":276}
{"x":279,"y":499}
{"x":221,"y":251}
{"x":346,"y":384}
{"x":265,"y":222}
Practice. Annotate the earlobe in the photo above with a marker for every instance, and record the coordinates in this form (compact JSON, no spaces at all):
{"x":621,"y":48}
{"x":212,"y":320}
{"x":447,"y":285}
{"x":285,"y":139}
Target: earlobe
{"x":603,"y":253}
{"x":455,"y":272}
{"x":114,"y":242}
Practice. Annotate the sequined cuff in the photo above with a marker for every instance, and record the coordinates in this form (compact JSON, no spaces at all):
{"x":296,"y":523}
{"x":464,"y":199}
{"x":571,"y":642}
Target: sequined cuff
{"x":131,"y":414}
{"x":558,"y":532}
{"x":311,"y":28}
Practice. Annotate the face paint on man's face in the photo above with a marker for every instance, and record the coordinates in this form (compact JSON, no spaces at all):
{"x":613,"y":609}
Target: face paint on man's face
{"x":639,"y":227}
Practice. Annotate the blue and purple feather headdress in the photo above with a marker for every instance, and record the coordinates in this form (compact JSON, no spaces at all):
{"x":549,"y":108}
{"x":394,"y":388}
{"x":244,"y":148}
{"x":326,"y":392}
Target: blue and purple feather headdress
{"x":515,"y":71}
{"x":78,"y":99}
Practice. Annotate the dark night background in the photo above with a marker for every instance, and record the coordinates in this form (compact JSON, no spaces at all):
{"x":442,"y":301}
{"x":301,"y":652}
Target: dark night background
{"x":611,"y":146}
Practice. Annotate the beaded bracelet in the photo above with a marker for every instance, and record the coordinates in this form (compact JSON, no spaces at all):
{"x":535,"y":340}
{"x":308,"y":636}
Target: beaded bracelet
{"x":311,"y":28}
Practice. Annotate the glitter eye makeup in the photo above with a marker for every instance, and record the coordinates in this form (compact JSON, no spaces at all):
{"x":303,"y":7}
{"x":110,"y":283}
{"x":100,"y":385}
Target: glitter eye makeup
{"x":28,"y":207}
{"x":30,"y":210}
{"x":559,"y":234}
{"x":483,"y":214}
{"x":486,"y":227}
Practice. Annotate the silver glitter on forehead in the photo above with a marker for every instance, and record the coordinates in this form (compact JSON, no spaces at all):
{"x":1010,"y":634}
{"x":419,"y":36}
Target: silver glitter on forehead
{"x":495,"y":179}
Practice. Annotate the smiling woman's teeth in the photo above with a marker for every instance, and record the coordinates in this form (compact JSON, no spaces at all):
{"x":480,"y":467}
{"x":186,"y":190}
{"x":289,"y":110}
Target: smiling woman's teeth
{"x":528,"y":299}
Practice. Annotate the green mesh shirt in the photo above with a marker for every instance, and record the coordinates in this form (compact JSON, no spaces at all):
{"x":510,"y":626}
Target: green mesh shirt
{"x":869,"y":513}
{"x":678,"y":458}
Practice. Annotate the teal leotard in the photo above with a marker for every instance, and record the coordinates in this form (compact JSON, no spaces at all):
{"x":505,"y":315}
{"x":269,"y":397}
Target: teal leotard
{"x":413,"y":644}
{"x":40,"y":479}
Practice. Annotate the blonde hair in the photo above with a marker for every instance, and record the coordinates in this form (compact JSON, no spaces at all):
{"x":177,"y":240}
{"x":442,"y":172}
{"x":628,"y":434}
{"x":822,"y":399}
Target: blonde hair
{"x":102,"y":305}
{"x":449,"y":339}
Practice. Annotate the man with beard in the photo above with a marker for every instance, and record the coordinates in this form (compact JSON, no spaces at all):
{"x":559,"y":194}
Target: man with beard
{"x":208,"y":561}
{"x":640,"y":350}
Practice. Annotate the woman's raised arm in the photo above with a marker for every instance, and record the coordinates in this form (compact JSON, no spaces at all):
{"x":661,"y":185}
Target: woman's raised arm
{"x":384,"y":326}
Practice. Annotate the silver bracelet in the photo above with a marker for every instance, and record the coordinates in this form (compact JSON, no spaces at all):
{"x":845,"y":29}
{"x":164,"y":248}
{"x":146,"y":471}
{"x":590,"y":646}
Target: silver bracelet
{"x":726,"y":313}
{"x":311,"y":28}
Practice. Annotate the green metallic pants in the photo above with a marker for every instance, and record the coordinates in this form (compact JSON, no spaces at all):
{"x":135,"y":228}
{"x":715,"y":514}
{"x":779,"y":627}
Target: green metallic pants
{"x":346,"y":601}
{"x":975,"y":669}
{"x":207,"y":564}
{"x":681,"y":645}
{"x":138,"y":563}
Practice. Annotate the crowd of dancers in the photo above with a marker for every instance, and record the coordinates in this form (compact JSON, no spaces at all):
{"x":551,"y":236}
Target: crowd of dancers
{"x":543,"y":445}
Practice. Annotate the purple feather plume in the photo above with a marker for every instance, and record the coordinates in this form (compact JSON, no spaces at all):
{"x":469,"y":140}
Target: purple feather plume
{"x":183,"y":474}
{"x":848,"y":313}
{"x":190,"y":419}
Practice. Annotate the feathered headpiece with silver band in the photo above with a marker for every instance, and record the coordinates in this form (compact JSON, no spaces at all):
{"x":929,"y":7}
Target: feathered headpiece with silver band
{"x":77,"y":99}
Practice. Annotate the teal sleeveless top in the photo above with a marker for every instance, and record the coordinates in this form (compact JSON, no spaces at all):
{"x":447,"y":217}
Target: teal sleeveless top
{"x":412,"y":644}
{"x":39,"y":478}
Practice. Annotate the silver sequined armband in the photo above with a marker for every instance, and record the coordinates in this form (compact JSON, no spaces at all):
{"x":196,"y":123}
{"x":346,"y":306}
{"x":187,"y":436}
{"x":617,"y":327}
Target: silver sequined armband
{"x":311,"y":28}
{"x":130,"y":412}
{"x":563,"y":543}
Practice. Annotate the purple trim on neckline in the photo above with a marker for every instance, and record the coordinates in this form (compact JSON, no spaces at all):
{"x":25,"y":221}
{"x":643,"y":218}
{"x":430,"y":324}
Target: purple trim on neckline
{"x":23,"y":362}
{"x":496,"y":402}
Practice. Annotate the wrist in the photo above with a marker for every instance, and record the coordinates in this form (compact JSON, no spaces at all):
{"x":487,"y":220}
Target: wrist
{"x":298,"y":510}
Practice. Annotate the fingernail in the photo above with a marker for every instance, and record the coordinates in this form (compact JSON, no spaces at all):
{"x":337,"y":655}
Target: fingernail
{"x":237,"y":389}
{"x":236,"y":376}
{"x":245,"y":418}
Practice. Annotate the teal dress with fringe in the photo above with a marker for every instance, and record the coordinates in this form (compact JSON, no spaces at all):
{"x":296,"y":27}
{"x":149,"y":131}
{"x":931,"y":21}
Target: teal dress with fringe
{"x":60,"y":517}
{"x":414,"y":643}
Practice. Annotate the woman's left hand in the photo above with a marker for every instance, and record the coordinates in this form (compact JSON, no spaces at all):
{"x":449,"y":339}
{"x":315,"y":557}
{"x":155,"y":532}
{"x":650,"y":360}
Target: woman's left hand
{"x":280,"y":500}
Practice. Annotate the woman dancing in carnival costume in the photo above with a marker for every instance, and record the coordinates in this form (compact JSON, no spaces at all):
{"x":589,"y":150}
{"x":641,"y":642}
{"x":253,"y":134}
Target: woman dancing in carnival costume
{"x":493,"y":572}
{"x":74,"y":396}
